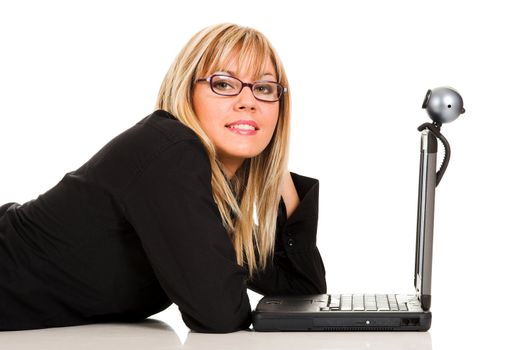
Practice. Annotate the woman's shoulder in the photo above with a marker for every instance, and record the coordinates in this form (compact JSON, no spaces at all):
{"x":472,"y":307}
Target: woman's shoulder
{"x":132,"y":151}
{"x":150,"y":136}
{"x":165,"y":124}
{"x":147,"y":138}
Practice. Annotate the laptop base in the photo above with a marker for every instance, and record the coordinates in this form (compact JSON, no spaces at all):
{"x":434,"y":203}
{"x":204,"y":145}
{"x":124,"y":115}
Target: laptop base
{"x":300,"y":313}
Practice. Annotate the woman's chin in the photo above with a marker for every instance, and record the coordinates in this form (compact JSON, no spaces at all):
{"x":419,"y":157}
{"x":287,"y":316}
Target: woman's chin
{"x":242,"y":154}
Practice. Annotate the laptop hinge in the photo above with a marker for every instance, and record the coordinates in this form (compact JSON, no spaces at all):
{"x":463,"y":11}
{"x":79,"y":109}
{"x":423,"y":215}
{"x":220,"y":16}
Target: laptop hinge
{"x":424,"y":299}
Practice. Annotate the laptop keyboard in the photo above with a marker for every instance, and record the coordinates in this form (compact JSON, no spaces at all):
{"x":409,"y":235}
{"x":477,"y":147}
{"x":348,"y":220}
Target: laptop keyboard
{"x":364,"y":302}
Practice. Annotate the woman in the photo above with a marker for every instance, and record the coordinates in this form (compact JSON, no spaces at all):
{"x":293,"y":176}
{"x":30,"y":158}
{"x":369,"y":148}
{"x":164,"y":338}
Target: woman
{"x":164,"y":213}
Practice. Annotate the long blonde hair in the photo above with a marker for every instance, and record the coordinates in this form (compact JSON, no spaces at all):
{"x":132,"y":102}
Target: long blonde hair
{"x":257,"y":182}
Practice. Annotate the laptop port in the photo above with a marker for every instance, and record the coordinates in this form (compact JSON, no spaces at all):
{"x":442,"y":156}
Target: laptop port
{"x":410,"y":321}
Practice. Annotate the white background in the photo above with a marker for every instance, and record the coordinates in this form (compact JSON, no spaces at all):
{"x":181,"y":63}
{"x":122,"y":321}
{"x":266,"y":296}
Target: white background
{"x":73,"y":75}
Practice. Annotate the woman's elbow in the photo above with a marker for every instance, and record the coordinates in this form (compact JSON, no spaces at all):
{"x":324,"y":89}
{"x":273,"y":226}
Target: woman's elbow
{"x":219,"y":322}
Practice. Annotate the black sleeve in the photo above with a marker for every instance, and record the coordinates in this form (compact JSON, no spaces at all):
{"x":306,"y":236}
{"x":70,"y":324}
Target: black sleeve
{"x":171,"y":207}
{"x":297,"y":267}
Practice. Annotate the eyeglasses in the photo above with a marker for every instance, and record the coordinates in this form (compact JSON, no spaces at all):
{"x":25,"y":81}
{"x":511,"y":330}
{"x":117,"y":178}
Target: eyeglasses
{"x":226,"y":85}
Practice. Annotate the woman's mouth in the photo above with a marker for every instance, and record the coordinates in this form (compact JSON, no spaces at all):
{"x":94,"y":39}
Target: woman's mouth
{"x":242,"y":129}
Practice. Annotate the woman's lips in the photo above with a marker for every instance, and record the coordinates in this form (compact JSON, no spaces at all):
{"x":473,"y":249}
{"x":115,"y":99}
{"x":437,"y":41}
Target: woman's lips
{"x":243,"y":127}
{"x":249,"y":122}
{"x":242,"y":131}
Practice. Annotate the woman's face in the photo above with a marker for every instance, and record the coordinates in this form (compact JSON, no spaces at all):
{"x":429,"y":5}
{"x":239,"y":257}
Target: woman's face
{"x":216,"y":113}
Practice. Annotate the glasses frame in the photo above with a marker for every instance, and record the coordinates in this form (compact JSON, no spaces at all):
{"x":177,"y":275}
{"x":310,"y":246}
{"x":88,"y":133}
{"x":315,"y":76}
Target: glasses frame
{"x":243,"y":84}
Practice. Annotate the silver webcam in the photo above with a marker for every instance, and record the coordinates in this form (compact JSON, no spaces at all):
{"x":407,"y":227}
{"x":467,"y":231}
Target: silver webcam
{"x":443,"y":105}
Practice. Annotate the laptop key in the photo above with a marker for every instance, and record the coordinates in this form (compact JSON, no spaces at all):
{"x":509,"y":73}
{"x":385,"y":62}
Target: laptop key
{"x":334,"y":301}
{"x":393,"y":302}
{"x":382,"y":302}
{"x":370,"y":302}
{"x":358,"y":303}
{"x":346,"y":303}
{"x":334,"y":305}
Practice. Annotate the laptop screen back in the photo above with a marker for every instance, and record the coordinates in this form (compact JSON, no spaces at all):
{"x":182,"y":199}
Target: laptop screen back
{"x":425,"y":218}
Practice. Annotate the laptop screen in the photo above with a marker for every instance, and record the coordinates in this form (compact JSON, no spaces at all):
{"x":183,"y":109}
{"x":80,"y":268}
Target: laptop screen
{"x":425,"y":218}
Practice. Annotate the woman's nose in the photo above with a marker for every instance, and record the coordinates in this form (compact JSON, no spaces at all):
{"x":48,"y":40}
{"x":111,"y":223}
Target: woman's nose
{"x":245,"y":99}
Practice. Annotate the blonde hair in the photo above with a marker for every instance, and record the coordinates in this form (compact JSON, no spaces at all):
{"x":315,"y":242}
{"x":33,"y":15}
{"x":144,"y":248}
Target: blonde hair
{"x":257,"y":182}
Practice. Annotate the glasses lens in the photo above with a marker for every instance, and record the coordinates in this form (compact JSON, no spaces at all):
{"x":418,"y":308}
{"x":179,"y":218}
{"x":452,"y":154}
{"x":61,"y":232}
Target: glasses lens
{"x":267,"y":91}
{"x":225,"y":85}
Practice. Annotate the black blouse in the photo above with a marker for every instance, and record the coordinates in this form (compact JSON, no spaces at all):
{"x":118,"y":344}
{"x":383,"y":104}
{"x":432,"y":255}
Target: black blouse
{"x":135,"y":229}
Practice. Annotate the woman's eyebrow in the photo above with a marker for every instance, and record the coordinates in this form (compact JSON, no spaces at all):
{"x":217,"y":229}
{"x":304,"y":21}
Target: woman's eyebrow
{"x":234,"y":74}
{"x":224,"y":71}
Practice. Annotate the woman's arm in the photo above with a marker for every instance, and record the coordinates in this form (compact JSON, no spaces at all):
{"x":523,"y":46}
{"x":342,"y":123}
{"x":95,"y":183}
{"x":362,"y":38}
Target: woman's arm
{"x":171,"y":207}
{"x":289,"y":194}
{"x":297,"y":266}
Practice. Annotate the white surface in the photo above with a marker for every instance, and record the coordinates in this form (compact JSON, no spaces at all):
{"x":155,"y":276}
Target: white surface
{"x":154,"y":335}
{"x":75,"y":74}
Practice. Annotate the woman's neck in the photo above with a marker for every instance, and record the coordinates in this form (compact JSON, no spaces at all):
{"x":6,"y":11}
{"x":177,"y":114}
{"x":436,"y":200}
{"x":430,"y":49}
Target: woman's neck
{"x":230,"y":166}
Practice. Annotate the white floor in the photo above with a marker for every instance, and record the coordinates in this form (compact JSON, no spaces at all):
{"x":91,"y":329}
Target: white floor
{"x":452,"y":328}
{"x":155,"y":334}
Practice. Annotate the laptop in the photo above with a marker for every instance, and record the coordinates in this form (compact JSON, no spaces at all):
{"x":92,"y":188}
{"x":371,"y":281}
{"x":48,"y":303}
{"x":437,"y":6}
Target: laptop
{"x":368,"y":312}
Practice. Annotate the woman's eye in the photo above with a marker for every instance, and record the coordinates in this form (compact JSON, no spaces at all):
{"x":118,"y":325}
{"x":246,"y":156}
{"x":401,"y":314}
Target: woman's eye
{"x":264,"y":88}
{"x":222,"y":85}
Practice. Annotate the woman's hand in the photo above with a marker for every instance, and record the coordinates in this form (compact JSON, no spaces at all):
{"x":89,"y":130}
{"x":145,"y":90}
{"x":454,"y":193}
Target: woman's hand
{"x":289,"y":194}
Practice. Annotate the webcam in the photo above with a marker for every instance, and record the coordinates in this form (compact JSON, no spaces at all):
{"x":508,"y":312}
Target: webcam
{"x":443,"y":105}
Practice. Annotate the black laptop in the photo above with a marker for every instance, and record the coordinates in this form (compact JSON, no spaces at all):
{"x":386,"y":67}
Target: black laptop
{"x":367,"y":312}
